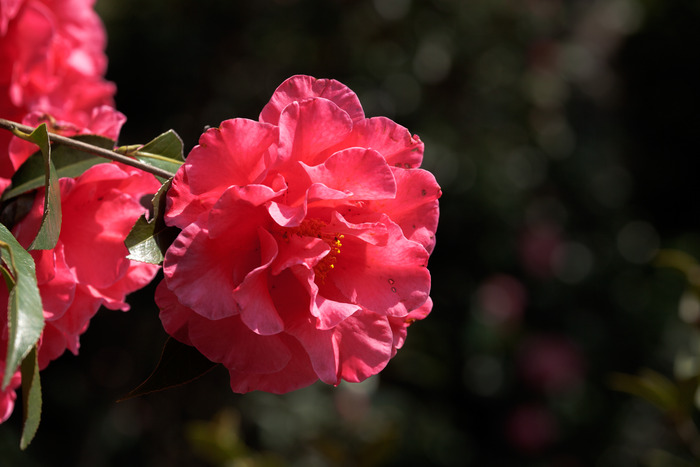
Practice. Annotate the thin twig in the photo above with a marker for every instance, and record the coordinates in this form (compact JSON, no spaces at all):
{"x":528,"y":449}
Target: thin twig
{"x":85,"y":147}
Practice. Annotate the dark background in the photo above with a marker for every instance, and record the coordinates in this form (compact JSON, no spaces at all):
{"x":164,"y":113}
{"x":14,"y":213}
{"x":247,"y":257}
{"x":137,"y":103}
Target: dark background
{"x":564,"y":135}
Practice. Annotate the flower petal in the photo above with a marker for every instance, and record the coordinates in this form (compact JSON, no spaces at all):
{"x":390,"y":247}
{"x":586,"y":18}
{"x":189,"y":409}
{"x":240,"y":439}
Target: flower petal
{"x":390,"y":279}
{"x":235,"y":153}
{"x":390,"y":139}
{"x":301,"y":87}
{"x":309,"y":127}
{"x":183,"y":207}
{"x":252,"y":353}
{"x":204,"y":272}
{"x":257,"y":309}
{"x":364,"y":346}
{"x":415,"y":208}
{"x":358,"y":172}
{"x":296,"y":374}
{"x":240,"y":210}
{"x":399,"y":326}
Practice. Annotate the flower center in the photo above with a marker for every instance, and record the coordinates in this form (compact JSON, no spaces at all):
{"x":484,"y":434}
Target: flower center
{"x":314,"y":228}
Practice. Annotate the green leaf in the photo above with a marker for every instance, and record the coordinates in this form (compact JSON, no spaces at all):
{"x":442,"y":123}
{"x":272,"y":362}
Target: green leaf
{"x":148,"y":240}
{"x":179,"y":364}
{"x":650,"y":386}
{"x":31,"y":398}
{"x":25,"y":314}
{"x":164,"y":152}
{"x":69,"y":162}
{"x":50,"y":227}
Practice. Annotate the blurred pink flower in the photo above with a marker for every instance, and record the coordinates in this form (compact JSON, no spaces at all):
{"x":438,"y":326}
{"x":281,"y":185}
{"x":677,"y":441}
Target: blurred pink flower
{"x":305,"y":241}
{"x":551,"y":363}
{"x":52,"y":62}
{"x":501,"y":300}
{"x":538,"y":245}
{"x":531,"y":428}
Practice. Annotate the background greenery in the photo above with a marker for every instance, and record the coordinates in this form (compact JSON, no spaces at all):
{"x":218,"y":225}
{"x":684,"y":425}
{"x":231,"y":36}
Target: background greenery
{"x":564,"y":135}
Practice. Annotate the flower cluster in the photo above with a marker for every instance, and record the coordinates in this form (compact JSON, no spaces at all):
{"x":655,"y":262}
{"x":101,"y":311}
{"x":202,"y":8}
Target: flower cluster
{"x":52,"y":66}
{"x":51,"y":71}
{"x":304,"y":237}
{"x":305,"y":241}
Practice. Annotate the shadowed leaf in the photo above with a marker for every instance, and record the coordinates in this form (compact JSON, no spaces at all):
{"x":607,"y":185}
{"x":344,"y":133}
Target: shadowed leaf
{"x":31,"y":398}
{"x":148,"y":240}
{"x":50,"y":227}
{"x":164,"y":152}
{"x":25,"y":314}
{"x":69,"y":162}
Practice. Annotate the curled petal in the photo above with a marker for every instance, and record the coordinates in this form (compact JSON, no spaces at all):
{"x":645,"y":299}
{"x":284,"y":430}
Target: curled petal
{"x":204,"y":272}
{"x":390,"y":139}
{"x":182,"y":207}
{"x":235,"y":153}
{"x":390,"y":279}
{"x":399,"y":326}
{"x":309,"y":127}
{"x":300,"y":87}
{"x":296,"y":250}
{"x":357,"y":172}
{"x":364,"y":343}
{"x":252,"y":353}
{"x":415,"y":207}
{"x":240,"y":209}
{"x":257,"y":309}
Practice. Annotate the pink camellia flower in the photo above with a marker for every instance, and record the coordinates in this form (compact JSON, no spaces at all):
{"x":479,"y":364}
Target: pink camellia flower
{"x":305,"y":241}
{"x":88,"y":267}
{"x":99,"y":208}
{"x":52,"y":62}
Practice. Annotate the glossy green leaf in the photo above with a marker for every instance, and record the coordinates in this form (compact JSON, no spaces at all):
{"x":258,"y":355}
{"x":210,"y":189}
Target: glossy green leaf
{"x":25,"y":314}
{"x":31,"y":398}
{"x":179,"y":364}
{"x":164,"y":152}
{"x":50,"y":227}
{"x":69,"y":162}
{"x":148,"y":240}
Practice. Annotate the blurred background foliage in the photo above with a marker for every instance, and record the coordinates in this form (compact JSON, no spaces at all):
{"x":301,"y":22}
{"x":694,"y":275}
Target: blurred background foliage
{"x":564,"y":135}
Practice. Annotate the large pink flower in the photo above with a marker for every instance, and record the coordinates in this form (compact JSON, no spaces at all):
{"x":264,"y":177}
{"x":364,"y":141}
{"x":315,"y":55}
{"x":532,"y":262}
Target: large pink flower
{"x":52,"y":62}
{"x":305,"y":241}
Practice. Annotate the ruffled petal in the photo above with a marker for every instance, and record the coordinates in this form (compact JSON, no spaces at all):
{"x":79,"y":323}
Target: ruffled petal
{"x":204,"y":272}
{"x":257,"y":309}
{"x":359,"y":173}
{"x":98,"y":223}
{"x":390,"y":279}
{"x":252,"y":353}
{"x":415,"y":208}
{"x":301,"y":87}
{"x":296,"y":374}
{"x":235,"y":153}
{"x":399,"y":326}
{"x":309,"y":127}
{"x":182,"y":207}
{"x":240,"y":209}
{"x":390,"y":139}
{"x":364,"y":346}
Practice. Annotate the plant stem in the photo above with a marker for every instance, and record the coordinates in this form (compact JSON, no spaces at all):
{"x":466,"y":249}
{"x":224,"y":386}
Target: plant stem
{"x":89,"y":148}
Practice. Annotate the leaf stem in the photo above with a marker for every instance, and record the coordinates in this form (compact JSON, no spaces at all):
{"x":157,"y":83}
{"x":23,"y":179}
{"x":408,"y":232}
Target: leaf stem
{"x":19,"y":130}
